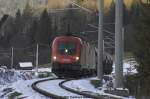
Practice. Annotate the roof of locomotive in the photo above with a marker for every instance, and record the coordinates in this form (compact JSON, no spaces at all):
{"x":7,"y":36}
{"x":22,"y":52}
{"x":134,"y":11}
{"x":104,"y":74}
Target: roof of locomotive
{"x":67,"y":37}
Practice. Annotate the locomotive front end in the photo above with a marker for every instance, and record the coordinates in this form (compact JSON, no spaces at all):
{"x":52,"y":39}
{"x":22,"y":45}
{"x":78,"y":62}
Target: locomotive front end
{"x":66,"y":54}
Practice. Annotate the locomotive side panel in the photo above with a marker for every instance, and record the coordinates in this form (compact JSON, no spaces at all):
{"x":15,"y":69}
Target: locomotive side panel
{"x":88,"y":60}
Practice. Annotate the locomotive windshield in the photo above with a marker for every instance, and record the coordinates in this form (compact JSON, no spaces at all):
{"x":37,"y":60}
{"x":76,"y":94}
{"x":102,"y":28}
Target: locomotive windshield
{"x":67,"y":48}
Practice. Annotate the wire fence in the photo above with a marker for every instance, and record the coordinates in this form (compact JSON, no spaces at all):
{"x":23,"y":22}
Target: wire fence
{"x":11,"y":57}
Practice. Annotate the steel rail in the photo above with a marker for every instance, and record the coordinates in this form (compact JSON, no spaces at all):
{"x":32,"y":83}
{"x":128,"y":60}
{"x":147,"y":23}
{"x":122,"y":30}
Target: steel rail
{"x":45,"y":93}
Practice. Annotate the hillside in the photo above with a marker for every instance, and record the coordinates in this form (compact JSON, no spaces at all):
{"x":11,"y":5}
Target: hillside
{"x":11,"y":6}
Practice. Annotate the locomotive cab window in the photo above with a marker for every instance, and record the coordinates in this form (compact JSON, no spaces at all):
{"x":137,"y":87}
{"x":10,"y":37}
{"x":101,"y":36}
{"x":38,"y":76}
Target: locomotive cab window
{"x":66,"y":48}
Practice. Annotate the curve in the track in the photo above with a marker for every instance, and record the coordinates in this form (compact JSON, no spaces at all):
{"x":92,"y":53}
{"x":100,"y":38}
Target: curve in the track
{"x":79,"y":92}
{"x":45,"y":93}
{"x":61,"y":84}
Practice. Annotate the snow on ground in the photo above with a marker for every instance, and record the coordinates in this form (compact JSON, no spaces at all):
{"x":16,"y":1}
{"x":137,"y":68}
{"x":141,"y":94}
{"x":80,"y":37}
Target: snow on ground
{"x":26,"y":64}
{"x":84,"y":85}
{"x":53,"y":87}
{"x":24,"y":86}
{"x":43,"y":70}
{"x":129,"y":67}
{"x":19,"y":81}
{"x":10,"y":76}
{"x":81,"y":85}
{"x":2,"y":93}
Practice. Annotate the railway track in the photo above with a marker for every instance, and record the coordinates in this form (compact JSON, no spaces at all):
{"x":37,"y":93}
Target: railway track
{"x":85,"y":93}
{"x":89,"y":95}
{"x":43,"y":92}
{"x":52,"y":95}
{"x":77,"y":94}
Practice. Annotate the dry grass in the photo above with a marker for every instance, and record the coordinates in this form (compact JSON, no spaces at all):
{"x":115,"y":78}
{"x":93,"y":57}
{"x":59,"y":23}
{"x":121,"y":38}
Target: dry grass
{"x":93,"y":4}
{"x":90,"y":4}
{"x":128,"y":3}
{"x":56,"y":4}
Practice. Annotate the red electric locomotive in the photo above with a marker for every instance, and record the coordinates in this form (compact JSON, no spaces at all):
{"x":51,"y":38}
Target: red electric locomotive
{"x":73,"y":57}
{"x":66,"y":54}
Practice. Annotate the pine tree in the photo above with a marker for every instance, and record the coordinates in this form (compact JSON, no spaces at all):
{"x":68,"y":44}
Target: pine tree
{"x":44,"y":28}
{"x":8,"y":31}
{"x":27,"y":10}
{"x":27,"y":15}
{"x":142,"y":48}
{"x":33,"y":31}
{"x":75,"y":19}
{"x":18,"y":23}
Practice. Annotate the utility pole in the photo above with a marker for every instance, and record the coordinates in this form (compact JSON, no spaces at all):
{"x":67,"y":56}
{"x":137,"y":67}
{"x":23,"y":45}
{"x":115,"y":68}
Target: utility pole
{"x":103,"y":45}
{"x":12,"y":57}
{"x":100,"y":41}
{"x":119,"y":45}
{"x":123,"y":31}
{"x":37,"y":57}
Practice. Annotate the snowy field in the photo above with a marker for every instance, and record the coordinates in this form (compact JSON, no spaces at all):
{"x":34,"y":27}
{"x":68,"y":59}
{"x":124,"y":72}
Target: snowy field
{"x":84,"y":85}
{"x":21,"y":83}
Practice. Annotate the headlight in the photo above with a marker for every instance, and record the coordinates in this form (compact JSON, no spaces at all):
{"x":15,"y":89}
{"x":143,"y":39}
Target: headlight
{"x":77,"y":58}
{"x":66,"y":50}
{"x":54,"y":57}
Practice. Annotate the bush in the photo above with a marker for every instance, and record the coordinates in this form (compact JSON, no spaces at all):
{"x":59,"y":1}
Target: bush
{"x":96,"y":83}
{"x":131,"y":82}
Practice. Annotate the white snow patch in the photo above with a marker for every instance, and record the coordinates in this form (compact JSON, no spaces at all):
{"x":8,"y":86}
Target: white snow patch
{"x":25,"y":64}
{"x":25,"y":88}
{"x":21,"y":82}
{"x":129,"y":67}
{"x":86,"y":86}
{"x":43,"y":69}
